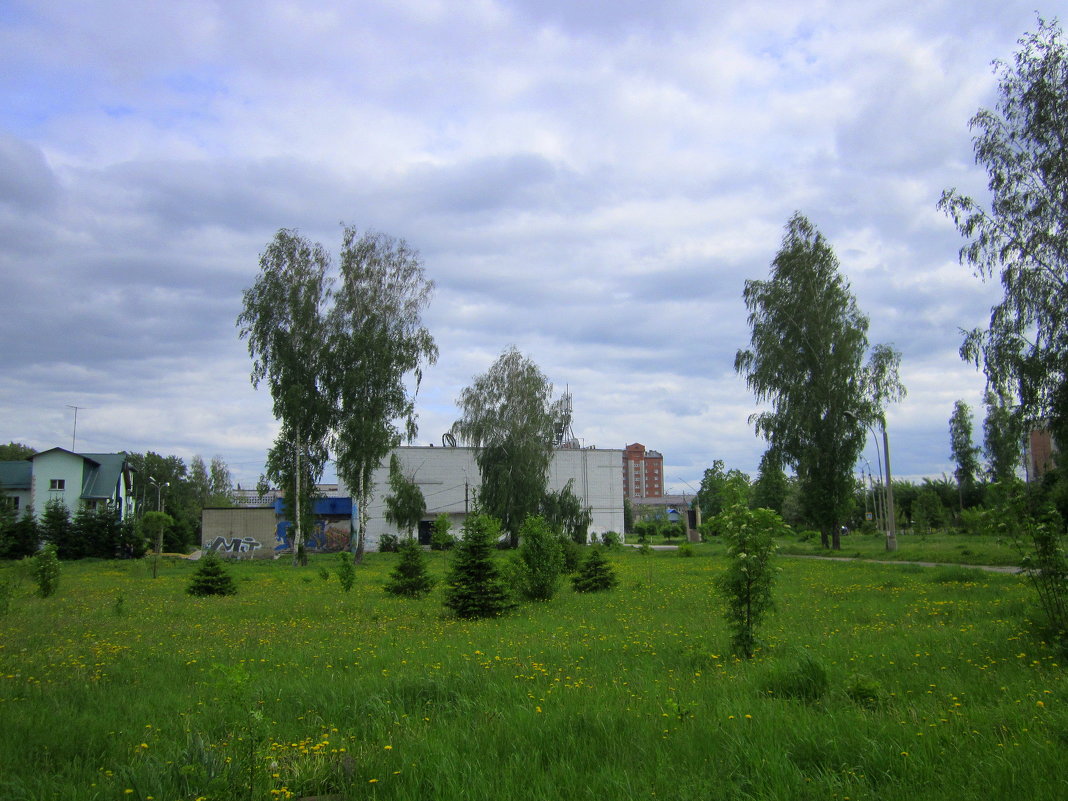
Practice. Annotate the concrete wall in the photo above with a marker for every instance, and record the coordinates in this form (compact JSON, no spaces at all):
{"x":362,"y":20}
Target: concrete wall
{"x":244,"y":533}
{"x":449,"y":479}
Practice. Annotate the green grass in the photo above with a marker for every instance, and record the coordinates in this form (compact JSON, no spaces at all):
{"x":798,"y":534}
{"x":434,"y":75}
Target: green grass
{"x":936,"y":547}
{"x":937,"y":687}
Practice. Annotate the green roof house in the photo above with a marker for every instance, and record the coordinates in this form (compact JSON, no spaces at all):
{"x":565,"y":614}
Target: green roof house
{"x":79,"y":480}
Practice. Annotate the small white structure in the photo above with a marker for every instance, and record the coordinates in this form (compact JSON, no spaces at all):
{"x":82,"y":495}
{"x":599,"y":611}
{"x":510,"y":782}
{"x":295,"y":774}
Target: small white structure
{"x":449,"y":479}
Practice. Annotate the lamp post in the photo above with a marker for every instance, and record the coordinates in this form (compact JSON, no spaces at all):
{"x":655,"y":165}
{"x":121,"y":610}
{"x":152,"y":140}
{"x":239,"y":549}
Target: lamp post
{"x":891,"y":524}
{"x":159,"y":492}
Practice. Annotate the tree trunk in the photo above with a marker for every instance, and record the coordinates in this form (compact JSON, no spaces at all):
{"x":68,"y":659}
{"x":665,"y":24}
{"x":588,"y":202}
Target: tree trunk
{"x":824,"y":539}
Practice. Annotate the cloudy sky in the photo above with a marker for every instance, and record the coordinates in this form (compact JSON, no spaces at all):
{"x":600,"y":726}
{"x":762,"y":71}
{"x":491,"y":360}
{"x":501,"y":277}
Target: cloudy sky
{"x":592,"y":182}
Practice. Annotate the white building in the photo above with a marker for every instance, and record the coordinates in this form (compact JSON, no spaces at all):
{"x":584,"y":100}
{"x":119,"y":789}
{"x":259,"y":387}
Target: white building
{"x":449,"y":479}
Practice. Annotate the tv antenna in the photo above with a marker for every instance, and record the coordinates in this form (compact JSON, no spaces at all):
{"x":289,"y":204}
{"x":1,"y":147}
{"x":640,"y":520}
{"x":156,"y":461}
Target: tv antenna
{"x":74,"y":437}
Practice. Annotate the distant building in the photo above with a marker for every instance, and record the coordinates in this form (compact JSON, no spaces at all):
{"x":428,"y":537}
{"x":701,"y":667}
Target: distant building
{"x":449,"y":479}
{"x":79,"y":480}
{"x":643,"y":472}
{"x":1039,"y":448}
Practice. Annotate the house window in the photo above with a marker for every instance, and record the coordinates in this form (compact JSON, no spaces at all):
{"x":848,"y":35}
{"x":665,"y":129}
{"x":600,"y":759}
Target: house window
{"x":12,"y":503}
{"x":58,"y":484}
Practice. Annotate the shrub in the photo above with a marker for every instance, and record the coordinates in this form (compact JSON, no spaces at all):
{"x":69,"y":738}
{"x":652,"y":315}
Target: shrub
{"x":542,"y":557}
{"x":410,"y":578}
{"x":686,"y":550}
{"x":211,"y":578}
{"x":346,"y":570}
{"x":388,"y":543}
{"x":746,"y":583}
{"x":475,"y":587}
{"x":596,"y":573}
{"x":611,"y":539}
{"x":645,"y":549}
{"x":46,"y":571}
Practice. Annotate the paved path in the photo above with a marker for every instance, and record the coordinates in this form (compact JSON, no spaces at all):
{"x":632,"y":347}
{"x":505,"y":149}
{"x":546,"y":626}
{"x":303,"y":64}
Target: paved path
{"x":989,"y":568}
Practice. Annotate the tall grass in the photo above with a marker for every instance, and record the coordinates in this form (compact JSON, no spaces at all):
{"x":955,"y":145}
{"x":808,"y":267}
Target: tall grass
{"x":936,"y":687}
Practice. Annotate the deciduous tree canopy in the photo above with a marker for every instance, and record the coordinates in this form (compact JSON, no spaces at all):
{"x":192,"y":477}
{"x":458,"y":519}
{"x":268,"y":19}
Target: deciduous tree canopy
{"x":806,"y":359}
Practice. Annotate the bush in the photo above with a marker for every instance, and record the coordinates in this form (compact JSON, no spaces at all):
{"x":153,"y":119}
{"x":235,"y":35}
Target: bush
{"x":211,"y":578}
{"x":46,"y":571}
{"x":611,"y":539}
{"x":346,"y":570}
{"x":542,"y":557}
{"x":410,"y":578}
{"x":475,"y":587}
{"x":388,"y":543}
{"x":686,"y":550}
{"x":746,"y":583}
{"x":596,"y":573}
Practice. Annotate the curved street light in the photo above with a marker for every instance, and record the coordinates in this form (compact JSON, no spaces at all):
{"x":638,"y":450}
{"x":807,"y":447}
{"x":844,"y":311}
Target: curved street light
{"x":891,"y":524}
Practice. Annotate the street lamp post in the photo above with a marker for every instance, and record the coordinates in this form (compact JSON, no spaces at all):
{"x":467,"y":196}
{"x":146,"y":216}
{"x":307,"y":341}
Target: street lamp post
{"x":891,"y":524}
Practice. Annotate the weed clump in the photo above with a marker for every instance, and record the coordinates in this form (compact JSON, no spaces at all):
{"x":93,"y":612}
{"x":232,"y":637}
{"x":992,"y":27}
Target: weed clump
{"x":211,"y":578}
{"x":803,"y":679}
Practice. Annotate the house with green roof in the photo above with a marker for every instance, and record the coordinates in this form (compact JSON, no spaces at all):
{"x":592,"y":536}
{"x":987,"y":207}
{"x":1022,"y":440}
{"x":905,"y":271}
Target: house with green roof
{"x":79,"y":480}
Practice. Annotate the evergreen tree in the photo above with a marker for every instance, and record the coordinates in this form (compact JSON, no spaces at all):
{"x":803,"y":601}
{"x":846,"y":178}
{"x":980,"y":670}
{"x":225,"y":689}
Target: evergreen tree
{"x":55,"y":528}
{"x":596,"y":573}
{"x":410,"y":578}
{"x":476,"y":588}
{"x":19,"y":537}
{"x":211,"y":578}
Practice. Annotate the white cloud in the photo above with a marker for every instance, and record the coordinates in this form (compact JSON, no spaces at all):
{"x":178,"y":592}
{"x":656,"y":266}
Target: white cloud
{"x":592,"y":182}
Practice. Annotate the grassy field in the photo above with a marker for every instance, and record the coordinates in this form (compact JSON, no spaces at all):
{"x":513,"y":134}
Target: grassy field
{"x":124,"y":687}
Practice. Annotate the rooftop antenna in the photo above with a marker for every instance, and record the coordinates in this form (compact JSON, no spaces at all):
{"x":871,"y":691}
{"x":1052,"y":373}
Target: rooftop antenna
{"x":74,"y":437}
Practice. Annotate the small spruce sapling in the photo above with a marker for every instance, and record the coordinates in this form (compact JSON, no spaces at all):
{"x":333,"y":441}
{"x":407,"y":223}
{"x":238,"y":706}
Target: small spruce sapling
{"x":211,"y":578}
{"x":476,"y":588}
{"x":596,"y":573}
{"x":410,"y":578}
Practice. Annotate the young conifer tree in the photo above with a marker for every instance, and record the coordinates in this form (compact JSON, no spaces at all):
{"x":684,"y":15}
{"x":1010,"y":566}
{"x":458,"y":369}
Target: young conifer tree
{"x":476,"y":587}
{"x":211,"y":578}
{"x":410,"y":578}
{"x":596,"y":573}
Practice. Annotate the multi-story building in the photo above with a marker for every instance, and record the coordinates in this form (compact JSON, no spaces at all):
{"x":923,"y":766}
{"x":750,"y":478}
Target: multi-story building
{"x":643,"y":472}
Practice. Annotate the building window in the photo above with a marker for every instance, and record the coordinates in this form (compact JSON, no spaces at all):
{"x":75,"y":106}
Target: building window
{"x":57,"y":484}
{"x":12,"y":503}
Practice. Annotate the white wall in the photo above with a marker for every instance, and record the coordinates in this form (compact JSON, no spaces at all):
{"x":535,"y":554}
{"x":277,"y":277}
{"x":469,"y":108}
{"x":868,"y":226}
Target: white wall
{"x":447,"y":476}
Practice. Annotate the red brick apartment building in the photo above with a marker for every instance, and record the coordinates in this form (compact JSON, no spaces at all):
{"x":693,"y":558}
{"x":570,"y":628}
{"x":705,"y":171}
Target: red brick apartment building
{"x":643,"y":472}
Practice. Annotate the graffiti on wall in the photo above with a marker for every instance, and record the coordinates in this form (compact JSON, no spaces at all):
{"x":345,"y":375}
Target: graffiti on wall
{"x":235,"y":546}
{"x":327,"y":537}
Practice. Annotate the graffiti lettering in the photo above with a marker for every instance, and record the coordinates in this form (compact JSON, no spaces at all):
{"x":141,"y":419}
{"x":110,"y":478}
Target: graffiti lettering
{"x":235,"y":547}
